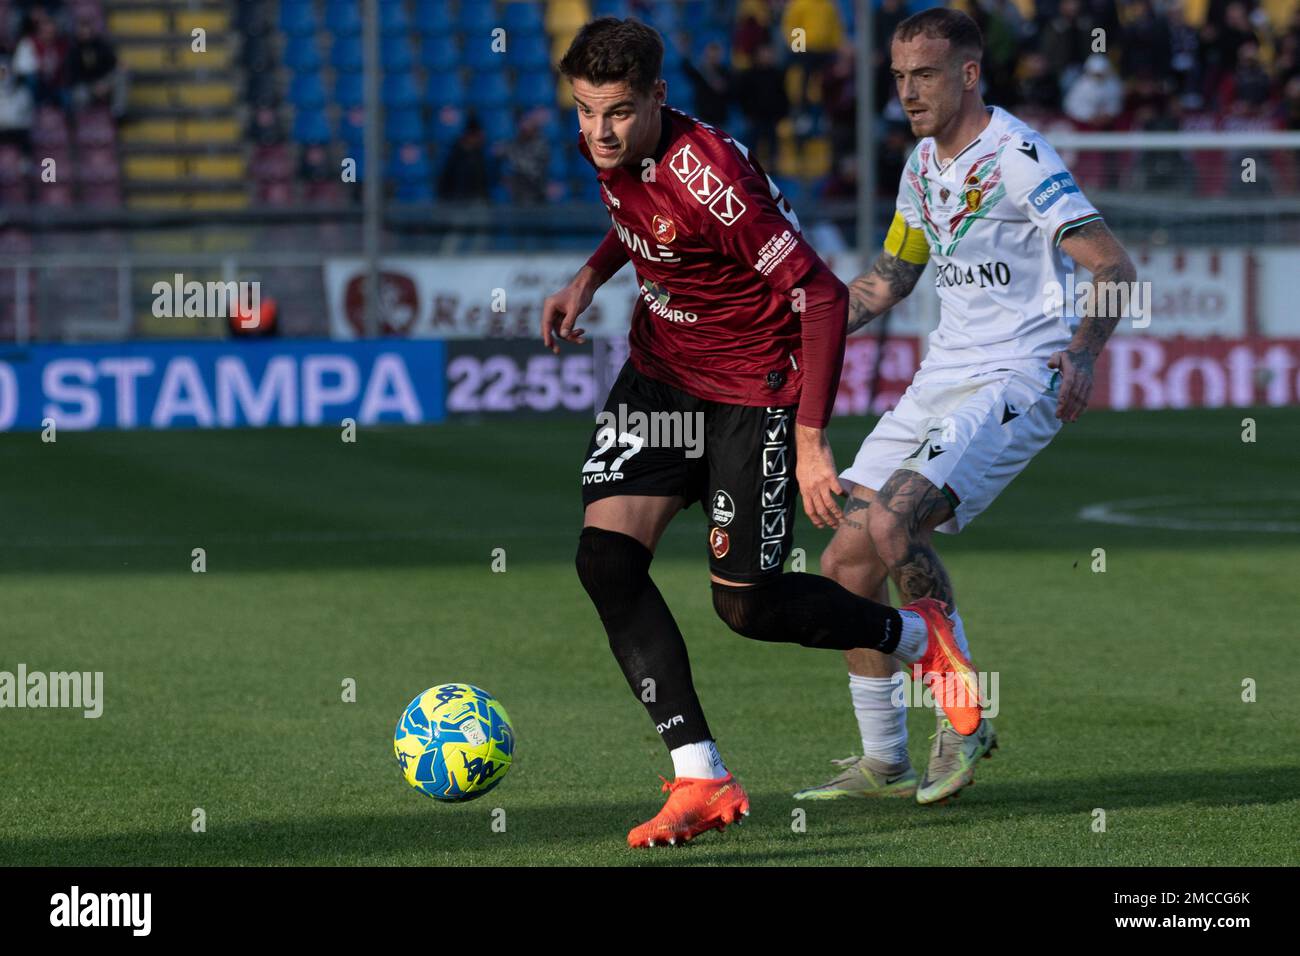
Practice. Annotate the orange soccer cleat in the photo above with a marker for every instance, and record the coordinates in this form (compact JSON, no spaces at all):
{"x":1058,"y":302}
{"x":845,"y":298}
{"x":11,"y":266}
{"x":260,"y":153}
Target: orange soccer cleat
{"x":946,"y":670}
{"x":694,"y":806}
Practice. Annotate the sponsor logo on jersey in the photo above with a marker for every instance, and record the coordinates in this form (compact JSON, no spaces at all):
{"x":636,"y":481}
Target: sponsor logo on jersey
{"x":719,"y":543}
{"x":639,"y":245}
{"x":706,"y":186}
{"x":613,"y":200}
{"x":769,"y":555}
{"x":724,"y":509}
{"x":665,"y":229}
{"x":1050,"y":190}
{"x":1030,"y":150}
{"x":774,"y":252}
{"x":657,"y":297}
{"x":984,"y":276}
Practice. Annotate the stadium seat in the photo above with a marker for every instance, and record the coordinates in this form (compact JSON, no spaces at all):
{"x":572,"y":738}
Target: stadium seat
{"x":446,"y":126}
{"x":102,"y":195}
{"x":498,"y":125}
{"x":311,"y":127}
{"x":401,"y":90}
{"x":610,"y":8}
{"x":663,"y":17}
{"x":479,"y":18}
{"x":307,"y":91}
{"x":439,"y":52}
{"x":404,"y":126}
{"x":97,"y":165}
{"x":477,"y":54}
{"x":347,"y":54}
{"x":95,"y":128}
{"x":566,"y":17}
{"x":432,"y":16}
{"x":52,"y":194}
{"x":50,"y":129}
{"x":343,"y":17}
{"x":395,"y":54}
{"x":352,"y":129}
{"x":489,"y":90}
{"x":528,"y":52}
{"x":393,"y":20}
{"x":447,"y":89}
{"x":534,"y":89}
{"x":522,"y":17}
{"x":409,"y":163}
{"x":301,"y":54}
{"x":349,"y":90}
{"x":298,"y":18}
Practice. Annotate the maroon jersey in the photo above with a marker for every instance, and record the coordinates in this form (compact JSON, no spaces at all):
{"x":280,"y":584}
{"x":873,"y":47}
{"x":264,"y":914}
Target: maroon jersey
{"x":717,"y":250}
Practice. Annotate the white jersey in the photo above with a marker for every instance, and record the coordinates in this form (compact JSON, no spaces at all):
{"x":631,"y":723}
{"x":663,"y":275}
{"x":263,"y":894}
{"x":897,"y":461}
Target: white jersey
{"x":993,"y":218}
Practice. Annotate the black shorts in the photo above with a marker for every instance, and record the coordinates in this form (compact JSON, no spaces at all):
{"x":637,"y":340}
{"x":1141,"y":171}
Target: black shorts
{"x":738,"y":461}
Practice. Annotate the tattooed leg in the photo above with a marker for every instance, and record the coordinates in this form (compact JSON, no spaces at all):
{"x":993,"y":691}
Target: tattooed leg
{"x":903,"y":516}
{"x":851,"y":560}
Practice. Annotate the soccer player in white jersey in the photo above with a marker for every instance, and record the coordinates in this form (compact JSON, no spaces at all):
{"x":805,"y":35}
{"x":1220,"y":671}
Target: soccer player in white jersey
{"x":990,"y":202}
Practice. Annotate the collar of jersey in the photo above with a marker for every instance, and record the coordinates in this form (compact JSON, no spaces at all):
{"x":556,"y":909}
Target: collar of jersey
{"x":994,"y":120}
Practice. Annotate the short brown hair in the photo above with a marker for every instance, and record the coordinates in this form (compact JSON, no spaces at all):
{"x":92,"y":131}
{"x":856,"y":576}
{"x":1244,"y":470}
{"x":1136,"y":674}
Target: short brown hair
{"x":941,"y":23}
{"x":609,"y":50}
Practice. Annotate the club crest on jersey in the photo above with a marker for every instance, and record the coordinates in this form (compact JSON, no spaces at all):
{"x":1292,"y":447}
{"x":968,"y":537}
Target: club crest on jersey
{"x":719,"y":543}
{"x":665,"y":229}
{"x":973,"y":194}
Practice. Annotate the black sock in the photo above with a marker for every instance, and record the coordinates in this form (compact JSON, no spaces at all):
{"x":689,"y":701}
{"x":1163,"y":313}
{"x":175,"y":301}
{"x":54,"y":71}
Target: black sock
{"x":615,"y":570}
{"x":808,"y":609}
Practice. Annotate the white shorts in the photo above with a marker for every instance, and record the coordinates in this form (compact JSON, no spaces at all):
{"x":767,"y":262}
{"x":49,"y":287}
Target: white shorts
{"x":969,"y":439}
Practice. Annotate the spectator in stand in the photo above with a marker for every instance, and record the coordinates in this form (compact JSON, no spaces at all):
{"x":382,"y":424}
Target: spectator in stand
{"x":1001,"y":24}
{"x":753,"y":29}
{"x":1066,"y":41}
{"x":41,"y":58}
{"x":265,"y":126}
{"x":92,"y":70}
{"x":1185,"y":55}
{"x":1290,"y":109}
{"x":1145,"y":42}
{"x":822,"y":34}
{"x":841,"y":102}
{"x":527,"y":156}
{"x":1040,"y":91}
{"x":464,"y":176}
{"x":1249,"y":89}
{"x":760,"y":93}
{"x":16,"y":108}
{"x":711,"y":84}
{"x":1097,"y":96}
{"x":888,"y":16}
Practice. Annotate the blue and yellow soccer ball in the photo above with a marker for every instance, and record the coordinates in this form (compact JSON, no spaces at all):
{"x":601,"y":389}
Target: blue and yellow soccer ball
{"x":454,"y":742}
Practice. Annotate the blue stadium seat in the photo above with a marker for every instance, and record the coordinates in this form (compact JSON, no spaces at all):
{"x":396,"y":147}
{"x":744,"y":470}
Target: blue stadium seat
{"x":479,"y":17}
{"x":348,"y":90}
{"x":343,"y":17}
{"x":310,"y":127}
{"x":702,"y":38}
{"x":395,"y":54}
{"x":499,"y":125}
{"x":588,"y":188}
{"x":298,"y":18}
{"x":354,"y":137}
{"x":432,"y":16}
{"x":446,"y":126}
{"x":477,"y":54}
{"x":446,"y":89}
{"x":347,"y":55}
{"x":439,"y":52}
{"x":663,"y":17}
{"x":610,"y":8}
{"x":521,"y":17}
{"x":409,"y":163}
{"x":672,"y":57}
{"x":534,"y":89}
{"x":557,"y":167}
{"x":528,"y":52}
{"x":393,"y":20}
{"x":404,"y":126}
{"x":301,"y":54}
{"x":414,"y":191}
{"x":401,"y":90}
{"x":307,"y":91}
{"x":680,"y":92}
{"x":489,"y":89}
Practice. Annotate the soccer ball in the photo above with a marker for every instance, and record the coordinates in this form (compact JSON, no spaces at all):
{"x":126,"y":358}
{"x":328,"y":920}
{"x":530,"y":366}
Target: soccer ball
{"x":454,"y":742}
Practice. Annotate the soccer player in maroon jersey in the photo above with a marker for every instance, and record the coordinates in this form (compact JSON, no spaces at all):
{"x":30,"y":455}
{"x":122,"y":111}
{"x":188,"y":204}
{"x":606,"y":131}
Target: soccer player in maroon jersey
{"x":739,"y":325}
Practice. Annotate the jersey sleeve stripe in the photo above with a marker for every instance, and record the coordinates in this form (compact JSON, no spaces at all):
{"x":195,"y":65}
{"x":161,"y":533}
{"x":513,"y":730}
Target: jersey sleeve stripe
{"x":1066,"y":226}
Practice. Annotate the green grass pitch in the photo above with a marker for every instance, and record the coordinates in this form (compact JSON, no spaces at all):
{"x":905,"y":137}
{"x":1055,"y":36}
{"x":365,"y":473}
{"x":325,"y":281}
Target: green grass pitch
{"x":373,"y":561}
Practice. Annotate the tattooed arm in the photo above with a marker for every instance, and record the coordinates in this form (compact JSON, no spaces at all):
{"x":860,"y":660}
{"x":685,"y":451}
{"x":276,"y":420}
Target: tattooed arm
{"x":877,"y":291}
{"x":1094,"y":247}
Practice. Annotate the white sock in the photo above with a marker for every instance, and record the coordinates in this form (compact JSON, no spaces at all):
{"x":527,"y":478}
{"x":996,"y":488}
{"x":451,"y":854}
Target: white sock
{"x":915,"y":639}
{"x":881,"y":710}
{"x":700,"y":760}
{"x":959,"y":632}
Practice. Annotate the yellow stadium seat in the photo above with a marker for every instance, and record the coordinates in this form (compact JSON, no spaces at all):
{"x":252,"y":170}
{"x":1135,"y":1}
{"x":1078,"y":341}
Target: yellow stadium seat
{"x":216,"y":131}
{"x":566,"y":16}
{"x":153,"y":168}
{"x":160,"y":131}
{"x":138,"y":23}
{"x":218,"y":167}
